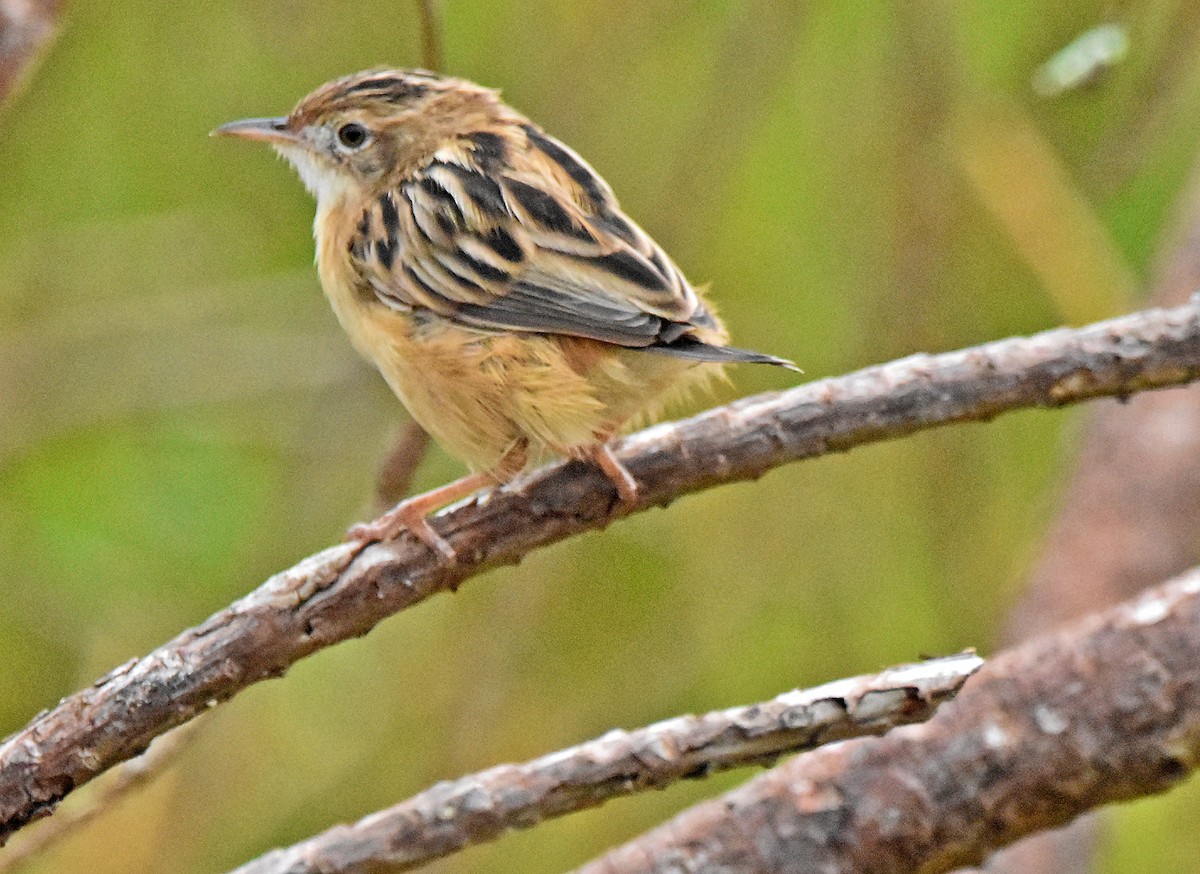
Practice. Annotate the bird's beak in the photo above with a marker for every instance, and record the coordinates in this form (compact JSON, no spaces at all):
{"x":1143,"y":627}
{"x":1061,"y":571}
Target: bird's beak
{"x":267,"y":130}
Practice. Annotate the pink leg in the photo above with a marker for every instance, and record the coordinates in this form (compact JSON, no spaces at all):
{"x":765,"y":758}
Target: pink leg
{"x":617,"y":473}
{"x":410,"y":515}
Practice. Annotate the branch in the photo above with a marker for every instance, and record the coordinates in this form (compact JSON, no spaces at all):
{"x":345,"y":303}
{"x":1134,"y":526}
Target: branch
{"x":1105,"y":710}
{"x":454,"y":815}
{"x":399,"y":465}
{"x":1127,"y":521}
{"x":130,"y":777}
{"x":1129,"y":515}
{"x":345,"y":590}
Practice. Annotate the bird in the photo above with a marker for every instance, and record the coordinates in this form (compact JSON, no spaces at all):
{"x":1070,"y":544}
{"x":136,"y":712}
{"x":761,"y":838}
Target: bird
{"x":491,"y":276}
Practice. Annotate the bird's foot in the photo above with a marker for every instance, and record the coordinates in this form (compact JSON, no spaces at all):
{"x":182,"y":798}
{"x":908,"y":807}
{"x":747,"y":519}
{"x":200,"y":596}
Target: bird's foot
{"x":402,"y":517}
{"x":617,"y":473}
{"x":411,"y":515}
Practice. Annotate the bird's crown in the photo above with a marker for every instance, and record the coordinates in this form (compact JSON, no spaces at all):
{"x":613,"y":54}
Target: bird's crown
{"x":380,"y":92}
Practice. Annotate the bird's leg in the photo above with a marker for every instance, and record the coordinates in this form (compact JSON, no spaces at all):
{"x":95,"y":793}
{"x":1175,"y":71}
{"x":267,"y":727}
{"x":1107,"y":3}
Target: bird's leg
{"x":617,"y":473}
{"x":410,"y":515}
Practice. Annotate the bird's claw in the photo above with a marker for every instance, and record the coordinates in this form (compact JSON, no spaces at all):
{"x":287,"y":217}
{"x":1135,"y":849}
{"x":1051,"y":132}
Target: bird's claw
{"x":391,"y":524}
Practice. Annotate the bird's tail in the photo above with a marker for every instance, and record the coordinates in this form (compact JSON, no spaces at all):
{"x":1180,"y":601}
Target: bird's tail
{"x":688,"y":346}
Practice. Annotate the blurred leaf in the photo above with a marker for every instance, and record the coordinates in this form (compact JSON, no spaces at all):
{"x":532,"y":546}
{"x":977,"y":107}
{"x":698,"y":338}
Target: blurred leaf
{"x":1025,"y":186}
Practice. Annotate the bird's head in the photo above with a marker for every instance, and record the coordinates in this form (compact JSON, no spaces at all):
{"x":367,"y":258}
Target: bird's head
{"x":354,"y":135}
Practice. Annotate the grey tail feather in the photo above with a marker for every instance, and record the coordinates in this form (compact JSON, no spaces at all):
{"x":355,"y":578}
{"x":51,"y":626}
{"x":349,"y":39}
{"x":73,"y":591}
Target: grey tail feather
{"x":689,"y":347}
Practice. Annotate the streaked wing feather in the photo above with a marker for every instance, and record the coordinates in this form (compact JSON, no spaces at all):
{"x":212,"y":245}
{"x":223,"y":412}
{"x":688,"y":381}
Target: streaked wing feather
{"x":538,"y":243}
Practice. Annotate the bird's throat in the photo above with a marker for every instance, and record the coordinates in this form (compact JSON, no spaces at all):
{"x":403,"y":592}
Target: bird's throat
{"x":324,"y":182}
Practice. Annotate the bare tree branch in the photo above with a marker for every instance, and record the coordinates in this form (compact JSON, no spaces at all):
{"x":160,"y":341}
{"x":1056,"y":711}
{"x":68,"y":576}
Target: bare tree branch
{"x":1105,"y":710}
{"x":399,"y":465}
{"x":456,"y":814}
{"x":132,"y":775}
{"x":26,"y":28}
{"x":345,"y":590}
{"x":1128,"y":520}
{"x":1129,"y":515}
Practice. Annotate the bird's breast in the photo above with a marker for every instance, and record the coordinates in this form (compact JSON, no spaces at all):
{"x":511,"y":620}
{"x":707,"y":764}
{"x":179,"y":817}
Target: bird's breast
{"x":355,"y":306}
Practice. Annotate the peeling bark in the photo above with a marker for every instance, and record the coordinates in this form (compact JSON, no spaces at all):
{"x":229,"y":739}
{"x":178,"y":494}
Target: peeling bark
{"x":345,"y":590}
{"x":458,"y":813}
{"x":1105,"y":710}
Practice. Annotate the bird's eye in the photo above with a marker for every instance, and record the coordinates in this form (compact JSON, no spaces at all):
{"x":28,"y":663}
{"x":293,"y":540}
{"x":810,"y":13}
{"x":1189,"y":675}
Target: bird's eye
{"x":352,"y":135}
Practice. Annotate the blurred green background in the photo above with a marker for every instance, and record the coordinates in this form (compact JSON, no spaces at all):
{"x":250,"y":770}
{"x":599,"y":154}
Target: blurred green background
{"x":180,"y":415}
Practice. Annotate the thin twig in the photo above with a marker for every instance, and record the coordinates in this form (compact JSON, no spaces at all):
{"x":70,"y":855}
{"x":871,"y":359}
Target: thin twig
{"x":459,"y":813}
{"x":1105,"y":710}
{"x":399,"y":465}
{"x":345,"y":590}
{"x":431,"y":35}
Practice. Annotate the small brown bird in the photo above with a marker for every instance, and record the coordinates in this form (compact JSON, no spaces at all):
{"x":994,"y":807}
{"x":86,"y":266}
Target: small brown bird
{"x":490,"y":275}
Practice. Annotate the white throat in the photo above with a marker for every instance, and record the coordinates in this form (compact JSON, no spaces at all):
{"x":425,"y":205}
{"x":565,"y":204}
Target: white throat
{"x":328,"y":186}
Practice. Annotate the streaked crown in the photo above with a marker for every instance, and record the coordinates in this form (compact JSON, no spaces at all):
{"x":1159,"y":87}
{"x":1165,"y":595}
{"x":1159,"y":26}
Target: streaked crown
{"x":381,"y":92}
{"x":369,"y":129}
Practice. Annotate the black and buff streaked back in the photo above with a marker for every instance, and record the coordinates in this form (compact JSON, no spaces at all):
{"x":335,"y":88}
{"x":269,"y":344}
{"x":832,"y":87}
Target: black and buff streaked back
{"x":485,"y":219}
{"x":491,"y":275}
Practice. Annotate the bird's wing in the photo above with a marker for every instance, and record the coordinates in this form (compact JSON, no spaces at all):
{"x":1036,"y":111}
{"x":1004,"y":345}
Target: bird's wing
{"x":517,"y":232}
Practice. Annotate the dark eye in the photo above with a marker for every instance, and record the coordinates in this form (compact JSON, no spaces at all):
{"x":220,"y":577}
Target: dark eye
{"x":352,"y":135}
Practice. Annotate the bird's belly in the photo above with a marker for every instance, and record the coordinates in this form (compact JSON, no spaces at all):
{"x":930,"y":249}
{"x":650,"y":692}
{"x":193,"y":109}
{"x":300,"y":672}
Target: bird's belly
{"x":482,"y":395}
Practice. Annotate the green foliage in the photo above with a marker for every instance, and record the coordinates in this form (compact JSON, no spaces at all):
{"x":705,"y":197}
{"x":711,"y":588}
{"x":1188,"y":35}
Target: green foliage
{"x":180,"y":415}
